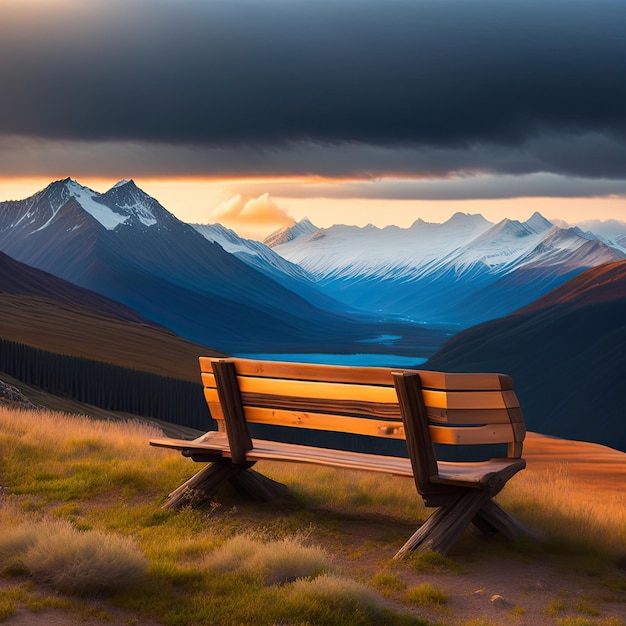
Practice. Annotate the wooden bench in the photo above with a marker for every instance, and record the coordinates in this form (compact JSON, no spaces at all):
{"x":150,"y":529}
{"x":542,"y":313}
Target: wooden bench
{"x":420,"y":408}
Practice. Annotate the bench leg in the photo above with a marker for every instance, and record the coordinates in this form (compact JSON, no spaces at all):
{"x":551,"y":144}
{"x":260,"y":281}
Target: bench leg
{"x":210,"y":478}
{"x":441,"y":530}
{"x":492,"y":518}
{"x":258,"y":486}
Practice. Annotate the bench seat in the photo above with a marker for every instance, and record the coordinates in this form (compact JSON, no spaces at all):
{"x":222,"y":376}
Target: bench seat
{"x":476,"y":474}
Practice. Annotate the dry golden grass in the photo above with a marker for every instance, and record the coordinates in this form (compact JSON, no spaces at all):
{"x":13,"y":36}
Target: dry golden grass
{"x":573,"y":491}
{"x":54,"y":552}
{"x":275,"y":561}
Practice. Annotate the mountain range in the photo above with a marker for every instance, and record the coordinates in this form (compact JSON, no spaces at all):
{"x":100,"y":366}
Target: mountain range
{"x":124,"y":245}
{"x":463,"y":272}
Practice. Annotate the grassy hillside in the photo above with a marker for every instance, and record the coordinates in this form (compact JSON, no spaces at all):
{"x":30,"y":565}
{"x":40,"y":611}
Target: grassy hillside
{"x":91,"y":492}
{"x":67,"y":329}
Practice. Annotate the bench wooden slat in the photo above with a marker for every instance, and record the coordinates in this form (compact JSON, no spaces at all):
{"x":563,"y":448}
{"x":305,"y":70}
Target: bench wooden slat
{"x":324,"y":421}
{"x":371,"y":393}
{"x":317,"y":390}
{"x":471,"y":435}
{"x":272,"y":450}
{"x":469,"y":399}
{"x":209,"y":441}
{"x":478,"y":417}
{"x":364,"y":409}
{"x":338,"y":407}
{"x":363,"y":375}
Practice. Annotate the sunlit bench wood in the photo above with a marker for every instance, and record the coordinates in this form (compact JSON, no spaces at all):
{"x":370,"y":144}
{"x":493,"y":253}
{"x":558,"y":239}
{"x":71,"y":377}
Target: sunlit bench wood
{"x":419,"y":407}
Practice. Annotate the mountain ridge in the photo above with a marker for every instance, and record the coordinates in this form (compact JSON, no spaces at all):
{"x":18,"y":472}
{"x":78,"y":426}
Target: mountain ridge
{"x":566,"y":353}
{"x":457,"y":272}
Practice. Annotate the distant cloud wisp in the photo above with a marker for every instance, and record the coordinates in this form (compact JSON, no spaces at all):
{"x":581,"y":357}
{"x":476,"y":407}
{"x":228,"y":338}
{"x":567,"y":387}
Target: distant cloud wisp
{"x":251,"y":217}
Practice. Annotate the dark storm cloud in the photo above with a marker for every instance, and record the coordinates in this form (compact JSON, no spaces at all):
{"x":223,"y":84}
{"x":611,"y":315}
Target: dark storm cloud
{"x":493,"y":85}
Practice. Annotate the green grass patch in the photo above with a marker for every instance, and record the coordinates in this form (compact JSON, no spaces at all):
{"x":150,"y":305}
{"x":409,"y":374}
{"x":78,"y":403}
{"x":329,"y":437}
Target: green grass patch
{"x":430,"y":562}
{"x":387,"y":583}
{"x":426,"y":594}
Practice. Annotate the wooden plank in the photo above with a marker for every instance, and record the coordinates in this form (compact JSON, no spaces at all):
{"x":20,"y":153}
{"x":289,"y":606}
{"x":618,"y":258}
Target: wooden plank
{"x":322,"y":421}
{"x":478,"y":415}
{"x":465,"y":381}
{"x":317,"y":390}
{"x":306,"y":371}
{"x":271,"y":450}
{"x":419,"y":445}
{"x":308,"y":405}
{"x":514,"y":450}
{"x":469,"y":416}
{"x":363,"y":375}
{"x":469,"y":399}
{"x":358,"y":408}
{"x":518,"y":424}
{"x":212,"y":400}
{"x":209,"y":441}
{"x":371,"y":393}
{"x":472,"y":435}
{"x":208,"y":380}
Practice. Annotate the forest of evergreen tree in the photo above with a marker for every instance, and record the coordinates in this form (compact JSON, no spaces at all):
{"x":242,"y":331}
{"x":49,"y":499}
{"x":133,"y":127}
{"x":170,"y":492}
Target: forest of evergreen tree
{"x":107,"y":386}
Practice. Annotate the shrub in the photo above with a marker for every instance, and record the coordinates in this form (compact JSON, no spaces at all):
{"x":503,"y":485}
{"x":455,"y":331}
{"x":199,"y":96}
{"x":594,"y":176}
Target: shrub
{"x":55,"y":553}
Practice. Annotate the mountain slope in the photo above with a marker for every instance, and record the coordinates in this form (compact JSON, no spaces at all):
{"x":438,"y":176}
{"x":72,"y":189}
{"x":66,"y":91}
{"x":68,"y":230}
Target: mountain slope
{"x":20,"y":279}
{"x":566,"y":352}
{"x":40,"y":310}
{"x":265,"y":260}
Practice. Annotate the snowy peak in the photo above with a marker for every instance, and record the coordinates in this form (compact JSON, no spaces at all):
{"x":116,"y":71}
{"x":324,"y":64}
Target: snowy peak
{"x":123,"y":204}
{"x":58,"y":193}
{"x":467,"y":220}
{"x":134,"y":203}
{"x":538,"y":223}
{"x":303,"y":228}
{"x":121,"y":183}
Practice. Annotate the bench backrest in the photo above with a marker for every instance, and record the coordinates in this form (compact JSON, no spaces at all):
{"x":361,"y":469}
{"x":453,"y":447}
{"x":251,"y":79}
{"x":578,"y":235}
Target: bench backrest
{"x":464,"y":409}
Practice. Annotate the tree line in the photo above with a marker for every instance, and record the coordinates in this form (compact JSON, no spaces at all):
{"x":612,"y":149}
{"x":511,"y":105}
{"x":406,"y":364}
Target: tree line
{"x":107,"y":386}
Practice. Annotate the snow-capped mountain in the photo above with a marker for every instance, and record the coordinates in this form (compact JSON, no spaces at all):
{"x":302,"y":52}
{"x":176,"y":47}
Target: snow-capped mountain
{"x":612,"y":232}
{"x":125,"y":245}
{"x":264,"y":259}
{"x":464,"y":271}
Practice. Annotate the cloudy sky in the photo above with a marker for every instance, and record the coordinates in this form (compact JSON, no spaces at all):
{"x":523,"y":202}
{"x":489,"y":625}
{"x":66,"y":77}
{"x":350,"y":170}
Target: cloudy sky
{"x":354,"y":111}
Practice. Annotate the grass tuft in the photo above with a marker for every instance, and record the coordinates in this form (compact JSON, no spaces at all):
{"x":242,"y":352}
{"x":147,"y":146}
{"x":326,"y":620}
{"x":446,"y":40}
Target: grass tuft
{"x":276,"y":562}
{"x":387,"y":583}
{"x":55,"y":553}
{"x":426,"y":594}
{"x":431,"y":562}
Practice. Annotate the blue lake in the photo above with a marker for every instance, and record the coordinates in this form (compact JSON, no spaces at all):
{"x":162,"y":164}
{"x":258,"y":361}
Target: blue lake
{"x":371,"y":360}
